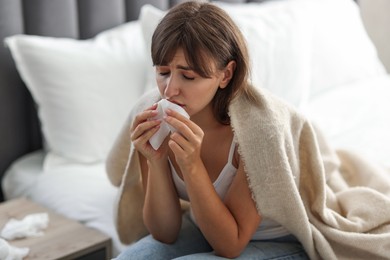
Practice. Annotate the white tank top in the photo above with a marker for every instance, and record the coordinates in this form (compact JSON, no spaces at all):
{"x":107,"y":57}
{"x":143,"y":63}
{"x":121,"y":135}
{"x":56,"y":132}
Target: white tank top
{"x":268,"y":229}
{"x":221,"y":184}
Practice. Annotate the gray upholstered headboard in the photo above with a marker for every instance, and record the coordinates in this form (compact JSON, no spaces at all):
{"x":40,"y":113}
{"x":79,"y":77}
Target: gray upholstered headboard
{"x":81,"y":19}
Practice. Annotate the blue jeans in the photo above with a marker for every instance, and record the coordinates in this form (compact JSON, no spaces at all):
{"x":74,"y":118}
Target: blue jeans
{"x":191,"y":244}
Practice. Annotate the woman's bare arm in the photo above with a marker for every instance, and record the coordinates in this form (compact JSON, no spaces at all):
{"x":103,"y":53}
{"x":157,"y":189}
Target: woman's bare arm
{"x":162,"y":211}
{"x":227,"y":225}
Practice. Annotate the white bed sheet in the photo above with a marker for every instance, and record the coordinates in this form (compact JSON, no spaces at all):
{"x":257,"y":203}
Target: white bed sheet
{"x":80,"y":192}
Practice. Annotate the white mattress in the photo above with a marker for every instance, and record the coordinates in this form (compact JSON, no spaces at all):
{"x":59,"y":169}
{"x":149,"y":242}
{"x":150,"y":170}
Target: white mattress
{"x":80,"y":192}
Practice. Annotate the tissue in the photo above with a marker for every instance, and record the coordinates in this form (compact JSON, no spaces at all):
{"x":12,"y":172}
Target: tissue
{"x":30,"y":225}
{"x":8,"y":252}
{"x":158,"y":138}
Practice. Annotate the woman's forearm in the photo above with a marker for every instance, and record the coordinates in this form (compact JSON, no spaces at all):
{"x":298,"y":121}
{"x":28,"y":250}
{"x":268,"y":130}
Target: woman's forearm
{"x":213,"y":217}
{"x":227,"y":224}
{"x":162,"y":211}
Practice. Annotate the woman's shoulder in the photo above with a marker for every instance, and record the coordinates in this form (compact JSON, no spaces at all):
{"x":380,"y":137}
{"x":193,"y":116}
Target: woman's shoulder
{"x":267,"y":115}
{"x":260,"y":101}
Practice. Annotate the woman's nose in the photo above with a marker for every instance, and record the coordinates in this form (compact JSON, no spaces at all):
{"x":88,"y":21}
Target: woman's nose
{"x":172,"y":87}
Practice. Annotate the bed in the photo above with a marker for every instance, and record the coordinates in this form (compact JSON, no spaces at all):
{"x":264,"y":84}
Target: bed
{"x":67,"y":86}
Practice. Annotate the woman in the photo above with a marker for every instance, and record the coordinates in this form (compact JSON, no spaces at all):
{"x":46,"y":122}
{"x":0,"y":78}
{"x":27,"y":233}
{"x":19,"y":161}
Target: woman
{"x":257,"y":175}
{"x":201,"y":64}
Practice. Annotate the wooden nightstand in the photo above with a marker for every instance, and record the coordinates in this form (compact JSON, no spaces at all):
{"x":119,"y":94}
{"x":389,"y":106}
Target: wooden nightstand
{"x":63,"y":239}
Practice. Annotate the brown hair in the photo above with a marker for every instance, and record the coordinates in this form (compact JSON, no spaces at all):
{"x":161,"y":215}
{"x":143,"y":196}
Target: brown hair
{"x":204,"y":31}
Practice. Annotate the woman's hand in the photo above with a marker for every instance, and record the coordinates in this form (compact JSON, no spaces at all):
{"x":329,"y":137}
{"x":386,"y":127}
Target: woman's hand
{"x":142,"y":129}
{"x":186,"y":143}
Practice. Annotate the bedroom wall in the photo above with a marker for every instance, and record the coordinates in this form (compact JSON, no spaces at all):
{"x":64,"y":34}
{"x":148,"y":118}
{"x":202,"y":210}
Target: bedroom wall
{"x":376,"y":18}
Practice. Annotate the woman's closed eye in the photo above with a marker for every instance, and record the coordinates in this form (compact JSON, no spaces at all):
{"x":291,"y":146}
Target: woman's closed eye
{"x":161,"y":73}
{"x":183,"y":71}
{"x":167,"y":73}
{"x":188,"y":77}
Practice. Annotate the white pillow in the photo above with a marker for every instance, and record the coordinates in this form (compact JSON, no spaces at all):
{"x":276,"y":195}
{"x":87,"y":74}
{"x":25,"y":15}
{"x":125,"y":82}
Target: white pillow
{"x":277,"y":33}
{"x":84,"y":89}
{"x":290,"y":44}
{"x":342,"y":51}
{"x":356,"y":117}
{"x":149,"y":18}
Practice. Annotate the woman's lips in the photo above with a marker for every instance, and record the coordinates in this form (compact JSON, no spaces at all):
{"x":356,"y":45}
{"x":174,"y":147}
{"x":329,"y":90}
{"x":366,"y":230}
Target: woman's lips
{"x":176,"y":103}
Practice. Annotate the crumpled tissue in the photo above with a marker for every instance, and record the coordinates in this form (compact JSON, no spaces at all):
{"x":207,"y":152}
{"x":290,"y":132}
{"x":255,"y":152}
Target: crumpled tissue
{"x":30,"y":225}
{"x":8,"y":252}
{"x":158,"y":138}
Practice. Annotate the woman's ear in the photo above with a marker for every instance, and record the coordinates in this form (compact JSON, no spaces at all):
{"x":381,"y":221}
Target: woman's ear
{"x":228,"y":73}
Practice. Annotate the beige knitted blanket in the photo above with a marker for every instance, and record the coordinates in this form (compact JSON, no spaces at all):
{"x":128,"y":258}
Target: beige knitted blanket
{"x":335,"y":202}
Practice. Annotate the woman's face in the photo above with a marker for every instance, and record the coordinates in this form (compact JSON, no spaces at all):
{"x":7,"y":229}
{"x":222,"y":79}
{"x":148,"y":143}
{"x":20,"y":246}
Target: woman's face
{"x":181,"y":85}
